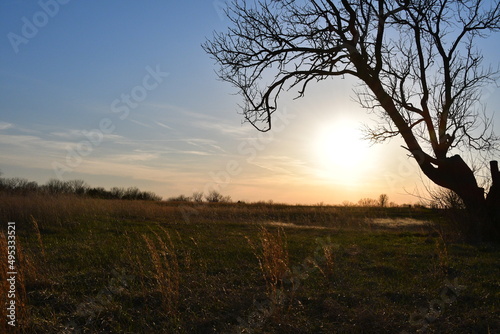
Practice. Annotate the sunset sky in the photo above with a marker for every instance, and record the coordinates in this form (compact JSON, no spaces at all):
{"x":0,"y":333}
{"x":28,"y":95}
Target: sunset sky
{"x":120,"y":93}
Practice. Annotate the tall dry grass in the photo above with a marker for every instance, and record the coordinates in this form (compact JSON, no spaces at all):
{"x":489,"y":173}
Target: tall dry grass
{"x":50,"y":210}
{"x":327,"y":267}
{"x":57,"y":210}
{"x":45,"y":209}
{"x":441,"y":263}
{"x":166,"y":270}
{"x":39,"y":238}
{"x":274,"y":262}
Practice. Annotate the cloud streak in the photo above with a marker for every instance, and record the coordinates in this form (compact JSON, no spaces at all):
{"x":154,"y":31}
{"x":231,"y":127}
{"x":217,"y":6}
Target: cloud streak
{"x":5,"y":125}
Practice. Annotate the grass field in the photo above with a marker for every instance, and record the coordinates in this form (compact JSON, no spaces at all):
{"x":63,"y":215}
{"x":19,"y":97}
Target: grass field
{"x":115,"y":266}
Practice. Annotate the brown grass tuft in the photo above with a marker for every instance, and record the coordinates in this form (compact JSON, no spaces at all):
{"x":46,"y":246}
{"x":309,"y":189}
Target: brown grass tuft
{"x":442,"y":263}
{"x":274,"y":263}
{"x":329,"y":260}
{"x":39,"y":237}
{"x":166,"y":270}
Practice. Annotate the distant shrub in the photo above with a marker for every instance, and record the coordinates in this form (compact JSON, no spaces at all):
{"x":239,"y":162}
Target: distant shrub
{"x":150,"y":196}
{"x":180,"y":198}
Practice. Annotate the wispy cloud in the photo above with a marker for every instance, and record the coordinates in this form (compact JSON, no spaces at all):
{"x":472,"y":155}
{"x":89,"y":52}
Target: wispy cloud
{"x":133,"y":171}
{"x":137,"y":155}
{"x":5,"y":125}
{"x":76,"y":134}
{"x":68,"y":134}
{"x":284,"y":166}
{"x":168,"y":108}
{"x":183,"y":166}
{"x":214,"y":124}
{"x":30,"y":142}
{"x":206,"y":144}
{"x":163,"y":125}
{"x":222,"y":127}
{"x":141,"y":124}
{"x":198,"y":146}
{"x":195,"y":152}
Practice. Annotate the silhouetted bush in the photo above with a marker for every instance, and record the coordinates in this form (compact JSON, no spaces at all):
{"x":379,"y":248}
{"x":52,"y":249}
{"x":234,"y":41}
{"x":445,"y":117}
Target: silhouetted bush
{"x":216,"y":197}
{"x":117,"y":192}
{"x":149,"y":196}
{"x":197,"y":196}
{"x":180,"y":198}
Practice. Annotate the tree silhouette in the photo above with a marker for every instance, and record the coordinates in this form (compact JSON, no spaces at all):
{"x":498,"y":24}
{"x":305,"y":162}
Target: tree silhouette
{"x":416,"y":60}
{"x":383,"y":200}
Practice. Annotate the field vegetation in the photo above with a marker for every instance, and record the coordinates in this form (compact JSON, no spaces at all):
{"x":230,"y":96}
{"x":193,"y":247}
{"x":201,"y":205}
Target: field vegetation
{"x":94,"y":265}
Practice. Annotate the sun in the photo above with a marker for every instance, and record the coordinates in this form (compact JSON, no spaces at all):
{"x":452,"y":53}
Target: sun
{"x":340,"y":151}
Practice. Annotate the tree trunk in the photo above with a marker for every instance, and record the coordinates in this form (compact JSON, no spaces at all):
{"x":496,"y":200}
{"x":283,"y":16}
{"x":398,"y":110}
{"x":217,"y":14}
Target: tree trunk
{"x":493,"y":202}
{"x":483,"y":214}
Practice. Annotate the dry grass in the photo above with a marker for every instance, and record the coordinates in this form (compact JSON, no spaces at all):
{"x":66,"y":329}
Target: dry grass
{"x":327,"y":268}
{"x":274,"y":263}
{"x":442,"y":263}
{"x":166,"y":270}
{"x":39,"y":238}
{"x":59,"y":210}
{"x":115,"y":266}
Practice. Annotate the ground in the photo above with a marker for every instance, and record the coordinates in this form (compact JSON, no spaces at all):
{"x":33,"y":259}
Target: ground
{"x":112,"y":266}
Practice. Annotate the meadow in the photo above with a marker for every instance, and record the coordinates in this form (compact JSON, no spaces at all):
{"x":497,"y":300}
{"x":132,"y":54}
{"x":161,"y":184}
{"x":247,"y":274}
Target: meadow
{"x":88,"y":265}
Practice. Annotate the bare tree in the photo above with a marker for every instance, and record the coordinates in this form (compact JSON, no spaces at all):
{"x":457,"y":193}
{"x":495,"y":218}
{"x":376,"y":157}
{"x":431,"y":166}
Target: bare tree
{"x":78,"y":187}
{"x":214,"y":197}
{"x":197,"y":196}
{"x":367,"y":202}
{"x":383,"y":200}
{"x":416,"y":61}
{"x":117,"y":192}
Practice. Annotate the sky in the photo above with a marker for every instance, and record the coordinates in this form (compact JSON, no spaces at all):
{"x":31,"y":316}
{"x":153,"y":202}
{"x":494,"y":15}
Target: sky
{"x":120,"y":93}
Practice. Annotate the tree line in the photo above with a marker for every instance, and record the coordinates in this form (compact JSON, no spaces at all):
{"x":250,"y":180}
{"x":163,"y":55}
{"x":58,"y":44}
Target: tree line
{"x":213,"y":196}
{"x":21,"y":186}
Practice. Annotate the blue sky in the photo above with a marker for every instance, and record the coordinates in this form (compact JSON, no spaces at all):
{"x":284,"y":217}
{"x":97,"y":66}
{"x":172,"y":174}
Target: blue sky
{"x":120,"y":93}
